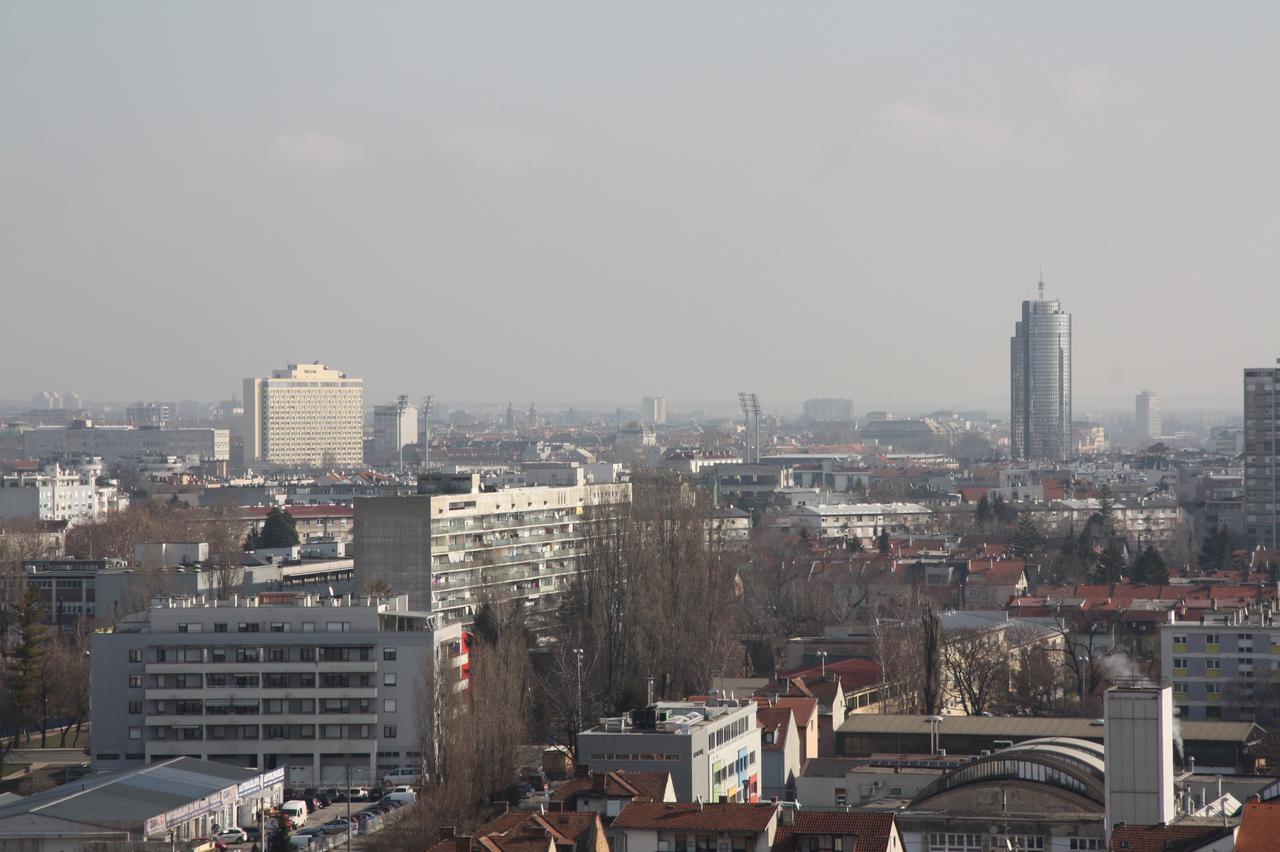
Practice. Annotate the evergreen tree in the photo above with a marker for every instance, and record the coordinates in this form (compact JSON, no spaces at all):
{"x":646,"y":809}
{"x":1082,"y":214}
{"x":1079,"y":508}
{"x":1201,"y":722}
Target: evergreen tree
{"x":1273,"y":572}
{"x":1026,"y":538}
{"x":26,"y":662}
{"x":1215,"y":550}
{"x":252,"y":541}
{"x":982,"y":515}
{"x":279,"y":840}
{"x":278,"y":530}
{"x":1003,"y":512}
{"x":1111,"y":564}
{"x":1150,"y":568}
{"x":854,"y":543}
{"x":884,"y":541}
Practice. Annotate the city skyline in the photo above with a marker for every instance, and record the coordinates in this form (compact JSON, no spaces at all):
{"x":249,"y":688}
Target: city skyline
{"x":372,"y":178}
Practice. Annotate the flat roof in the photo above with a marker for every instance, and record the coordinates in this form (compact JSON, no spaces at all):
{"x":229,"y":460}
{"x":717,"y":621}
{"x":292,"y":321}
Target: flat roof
{"x":1032,"y":726}
{"x":121,"y":801}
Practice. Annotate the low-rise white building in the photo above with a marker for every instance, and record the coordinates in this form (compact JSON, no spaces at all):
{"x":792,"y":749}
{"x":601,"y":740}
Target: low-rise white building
{"x":57,"y":494}
{"x":864,"y":520}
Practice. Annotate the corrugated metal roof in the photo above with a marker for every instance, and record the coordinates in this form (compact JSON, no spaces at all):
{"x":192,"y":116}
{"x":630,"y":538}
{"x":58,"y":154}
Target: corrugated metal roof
{"x":1031,"y":726}
{"x":126,"y":799}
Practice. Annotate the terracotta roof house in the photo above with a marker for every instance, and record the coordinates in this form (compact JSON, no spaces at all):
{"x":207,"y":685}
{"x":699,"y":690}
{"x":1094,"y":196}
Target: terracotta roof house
{"x":804,"y":830}
{"x":517,"y":831}
{"x":743,"y":826}
{"x":1260,"y":827}
{"x":779,"y":752}
{"x":1175,"y":838}
{"x":607,"y":793}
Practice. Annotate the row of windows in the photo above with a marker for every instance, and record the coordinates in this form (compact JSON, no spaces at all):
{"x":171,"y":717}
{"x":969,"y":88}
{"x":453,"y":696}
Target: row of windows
{"x":272,"y":627}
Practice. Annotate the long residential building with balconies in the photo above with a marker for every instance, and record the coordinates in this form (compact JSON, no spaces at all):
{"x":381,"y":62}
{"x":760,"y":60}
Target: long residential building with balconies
{"x":1223,"y":665}
{"x":453,"y":546}
{"x":324,"y":687}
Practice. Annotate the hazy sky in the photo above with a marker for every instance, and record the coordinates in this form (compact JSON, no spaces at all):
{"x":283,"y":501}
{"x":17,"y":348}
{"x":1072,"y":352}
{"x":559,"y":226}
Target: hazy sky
{"x":594,"y":201}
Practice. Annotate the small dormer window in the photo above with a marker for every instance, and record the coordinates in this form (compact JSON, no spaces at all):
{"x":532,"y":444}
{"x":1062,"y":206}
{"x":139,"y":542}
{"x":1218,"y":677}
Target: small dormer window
{"x":768,"y":737}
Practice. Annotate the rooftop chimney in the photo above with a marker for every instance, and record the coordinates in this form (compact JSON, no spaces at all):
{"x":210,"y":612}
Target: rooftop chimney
{"x":1138,"y":742}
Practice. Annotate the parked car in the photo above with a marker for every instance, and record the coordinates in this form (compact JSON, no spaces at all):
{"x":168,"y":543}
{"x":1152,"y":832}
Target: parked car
{"x":358,"y":794}
{"x":232,"y":835}
{"x":403,"y":775}
{"x":252,"y":832}
{"x":335,"y":826}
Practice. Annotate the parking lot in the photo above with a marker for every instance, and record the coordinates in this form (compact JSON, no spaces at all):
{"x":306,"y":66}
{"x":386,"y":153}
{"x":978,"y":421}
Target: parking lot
{"x":324,"y":815}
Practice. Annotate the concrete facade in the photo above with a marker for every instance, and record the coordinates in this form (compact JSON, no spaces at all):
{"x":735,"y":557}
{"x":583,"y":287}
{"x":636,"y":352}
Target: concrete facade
{"x":711,"y":749}
{"x":445,"y":550}
{"x":280,"y":680}
{"x":304,"y":416}
{"x":113,"y":443}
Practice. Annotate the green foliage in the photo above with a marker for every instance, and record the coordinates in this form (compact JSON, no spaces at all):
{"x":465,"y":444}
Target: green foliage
{"x":1215,"y":550}
{"x":279,"y":840}
{"x":854,"y":543}
{"x":1026,"y":538}
{"x":278,"y":530}
{"x":982,"y":515}
{"x":1002,"y":511}
{"x":1150,"y":568}
{"x":24,"y":675}
{"x":1273,"y":572}
{"x":1111,"y":564}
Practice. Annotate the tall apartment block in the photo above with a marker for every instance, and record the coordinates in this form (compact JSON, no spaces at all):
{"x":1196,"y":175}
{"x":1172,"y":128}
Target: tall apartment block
{"x":1261,"y":423}
{"x":394,"y":426}
{"x":1040,"y":368}
{"x":1222,"y":666}
{"x":321,"y":687}
{"x":304,"y":416}
{"x":1146,"y":415}
{"x":453,"y":546}
{"x":653,"y":410}
{"x":828,"y":410}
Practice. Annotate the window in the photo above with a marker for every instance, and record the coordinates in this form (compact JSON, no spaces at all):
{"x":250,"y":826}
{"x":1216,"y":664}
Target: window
{"x":1179,"y":662}
{"x":220,"y":627}
{"x":135,"y":706}
{"x":307,"y":655}
{"x":388,"y":653}
{"x":135,"y":655}
{"x":280,"y":627}
{"x":135,"y":681}
{"x":389,"y":679}
{"x":308,"y":627}
{"x":1085,"y":844}
{"x":388,"y":705}
{"x":135,"y":733}
{"x":338,"y":626}
{"x":1179,"y":638}
{"x":1212,"y":638}
{"x":1212,"y":664}
{"x":389,"y":731}
{"x":248,"y":627}
{"x":277,"y":655}
{"x":1213,"y":688}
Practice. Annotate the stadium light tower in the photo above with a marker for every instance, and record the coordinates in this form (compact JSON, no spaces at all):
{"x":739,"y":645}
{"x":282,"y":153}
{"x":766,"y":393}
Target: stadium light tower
{"x":426,"y":432}
{"x":750,"y":403}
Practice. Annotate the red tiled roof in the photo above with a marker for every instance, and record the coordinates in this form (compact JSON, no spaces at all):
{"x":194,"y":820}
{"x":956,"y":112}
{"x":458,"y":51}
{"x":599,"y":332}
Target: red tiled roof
{"x":775,"y":720}
{"x":1260,"y":828}
{"x":854,"y":674}
{"x":1167,"y":838}
{"x":640,"y":786}
{"x":802,"y":708}
{"x":716,"y":816}
{"x":1004,"y":572}
{"x":518,"y":830}
{"x":873,"y":830}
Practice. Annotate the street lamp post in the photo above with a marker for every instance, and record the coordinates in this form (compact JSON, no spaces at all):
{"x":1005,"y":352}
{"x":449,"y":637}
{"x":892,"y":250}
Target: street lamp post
{"x":577,"y":652}
{"x":823,"y":656}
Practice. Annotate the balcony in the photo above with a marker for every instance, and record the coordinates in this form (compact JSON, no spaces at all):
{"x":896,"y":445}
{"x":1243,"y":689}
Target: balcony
{"x":1213,"y":673}
{"x":317,"y":692}
{"x":1212,"y":648}
{"x":1181,"y":672}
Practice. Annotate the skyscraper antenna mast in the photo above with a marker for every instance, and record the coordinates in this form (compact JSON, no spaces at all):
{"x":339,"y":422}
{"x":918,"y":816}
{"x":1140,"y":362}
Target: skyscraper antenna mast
{"x":1041,"y":284}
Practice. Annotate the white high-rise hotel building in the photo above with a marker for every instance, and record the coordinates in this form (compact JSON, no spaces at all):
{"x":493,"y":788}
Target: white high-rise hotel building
{"x":305,"y":416}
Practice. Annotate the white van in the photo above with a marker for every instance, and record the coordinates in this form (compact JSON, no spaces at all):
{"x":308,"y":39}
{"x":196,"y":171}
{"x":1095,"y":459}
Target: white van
{"x":401,"y":794}
{"x":296,"y":811}
{"x":403,"y":776}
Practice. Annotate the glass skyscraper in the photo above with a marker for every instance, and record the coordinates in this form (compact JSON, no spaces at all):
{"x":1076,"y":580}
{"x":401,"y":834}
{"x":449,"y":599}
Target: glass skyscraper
{"x":1040,"y":370}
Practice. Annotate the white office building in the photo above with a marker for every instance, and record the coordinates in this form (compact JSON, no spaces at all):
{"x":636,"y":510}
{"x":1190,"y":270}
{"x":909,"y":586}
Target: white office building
{"x":304,"y":416}
{"x":57,"y":494}
{"x":394,"y":426}
{"x":324,"y":687}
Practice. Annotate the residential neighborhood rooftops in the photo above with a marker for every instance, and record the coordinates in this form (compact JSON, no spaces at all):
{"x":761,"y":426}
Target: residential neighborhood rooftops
{"x":696,"y":816}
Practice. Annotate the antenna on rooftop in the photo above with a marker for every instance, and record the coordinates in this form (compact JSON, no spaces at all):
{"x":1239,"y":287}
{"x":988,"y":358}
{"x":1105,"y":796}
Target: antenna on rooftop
{"x":1040,"y":285}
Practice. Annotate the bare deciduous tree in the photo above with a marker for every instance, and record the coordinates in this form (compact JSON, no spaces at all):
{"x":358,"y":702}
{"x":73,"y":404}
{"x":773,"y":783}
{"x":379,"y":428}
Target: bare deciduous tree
{"x":976,"y":663}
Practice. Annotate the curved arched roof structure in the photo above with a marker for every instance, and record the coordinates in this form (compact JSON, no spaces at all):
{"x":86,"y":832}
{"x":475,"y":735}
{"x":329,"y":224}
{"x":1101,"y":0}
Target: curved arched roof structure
{"x":1076,"y":766}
